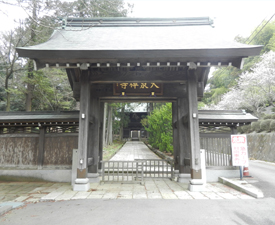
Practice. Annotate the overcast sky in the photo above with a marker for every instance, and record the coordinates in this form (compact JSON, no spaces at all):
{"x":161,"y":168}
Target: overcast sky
{"x":232,"y":18}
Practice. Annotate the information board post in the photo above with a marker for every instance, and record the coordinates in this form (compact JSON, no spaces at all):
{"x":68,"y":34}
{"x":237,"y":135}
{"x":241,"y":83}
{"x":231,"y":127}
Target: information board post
{"x":239,"y":152}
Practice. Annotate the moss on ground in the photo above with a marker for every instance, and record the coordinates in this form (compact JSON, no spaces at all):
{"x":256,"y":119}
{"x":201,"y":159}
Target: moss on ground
{"x":110,"y":150}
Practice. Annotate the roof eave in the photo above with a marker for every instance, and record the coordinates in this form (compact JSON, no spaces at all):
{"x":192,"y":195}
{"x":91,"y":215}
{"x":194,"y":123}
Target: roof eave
{"x":67,"y":56}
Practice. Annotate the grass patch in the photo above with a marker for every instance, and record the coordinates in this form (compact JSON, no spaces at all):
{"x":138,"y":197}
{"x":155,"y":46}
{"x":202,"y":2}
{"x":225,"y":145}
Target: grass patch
{"x":110,"y":150}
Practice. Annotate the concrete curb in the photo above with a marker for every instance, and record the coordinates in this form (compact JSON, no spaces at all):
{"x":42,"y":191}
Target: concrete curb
{"x":243,"y":186}
{"x":5,"y":209}
{"x":7,"y":206}
{"x":159,"y":153}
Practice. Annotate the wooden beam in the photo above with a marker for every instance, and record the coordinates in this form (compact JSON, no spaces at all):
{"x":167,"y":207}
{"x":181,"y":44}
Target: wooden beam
{"x":93,"y":149}
{"x":127,"y":76}
{"x":193,"y":120}
{"x":106,"y":91}
{"x":200,"y":88}
{"x":41,"y":147}
{"x":83,"y":137}
{"x":101,"y":130}
{"x":175,"y":134}
{"x":183,"y":136}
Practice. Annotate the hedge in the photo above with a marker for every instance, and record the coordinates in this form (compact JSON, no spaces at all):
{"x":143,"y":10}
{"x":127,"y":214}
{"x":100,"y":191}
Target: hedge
{"x":255,"y":126}
{"x":265,"y":125}
{"x":246,"y":129}
{"x":272,"y":125}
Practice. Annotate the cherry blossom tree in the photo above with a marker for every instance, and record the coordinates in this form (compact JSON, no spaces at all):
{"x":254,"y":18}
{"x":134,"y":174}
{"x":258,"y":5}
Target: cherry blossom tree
{"x":254,"y":90}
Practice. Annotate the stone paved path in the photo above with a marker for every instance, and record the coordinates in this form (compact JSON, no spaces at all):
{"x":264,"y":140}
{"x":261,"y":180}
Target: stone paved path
{"x":153,"y":188}
{"x":134,"y":150}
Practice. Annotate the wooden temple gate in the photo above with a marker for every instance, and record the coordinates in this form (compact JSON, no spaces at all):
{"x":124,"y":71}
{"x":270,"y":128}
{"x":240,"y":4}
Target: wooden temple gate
{"x":137,"y":60}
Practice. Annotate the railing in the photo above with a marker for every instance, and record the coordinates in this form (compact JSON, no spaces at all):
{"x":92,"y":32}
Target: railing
{"x":217,"y":149}
{"x":122,"y":171}
{"x":157,"y":168}
{"x":136,"y":171}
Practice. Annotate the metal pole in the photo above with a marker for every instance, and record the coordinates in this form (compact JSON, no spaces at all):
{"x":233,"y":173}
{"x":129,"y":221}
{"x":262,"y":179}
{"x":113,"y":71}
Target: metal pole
{"x":241,"y":172}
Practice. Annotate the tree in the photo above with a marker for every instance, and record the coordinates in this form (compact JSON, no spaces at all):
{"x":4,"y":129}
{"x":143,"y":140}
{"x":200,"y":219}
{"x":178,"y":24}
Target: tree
{"x":10,"y":62}
{"x":51,"y":90}
{"x":225,"y":78}
{"x":255,"y":89}
{"x":159,"y":124}
{"x":43,"y":17}
{"x":263,"y":35}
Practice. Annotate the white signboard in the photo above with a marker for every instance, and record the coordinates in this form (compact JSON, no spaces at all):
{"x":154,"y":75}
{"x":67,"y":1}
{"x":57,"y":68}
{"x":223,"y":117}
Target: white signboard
{"x":239,"y":150}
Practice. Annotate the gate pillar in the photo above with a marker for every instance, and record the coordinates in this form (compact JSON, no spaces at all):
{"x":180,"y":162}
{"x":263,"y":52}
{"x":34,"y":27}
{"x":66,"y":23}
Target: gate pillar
{"x":175,"y":135}
{"x":101,"y":135}
{"x":82,"y":182}
{"x":183,"y":140}
{"x":94,"y":136}
{"x":196,"y":183}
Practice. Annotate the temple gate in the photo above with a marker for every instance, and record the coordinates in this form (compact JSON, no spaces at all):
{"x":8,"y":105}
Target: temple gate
{"x":138,"y":60}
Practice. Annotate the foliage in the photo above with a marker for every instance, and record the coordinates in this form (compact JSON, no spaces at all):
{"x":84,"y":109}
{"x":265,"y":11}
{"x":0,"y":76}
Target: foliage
{"x":256,"y":126}
{"x":51,"y":90}
{"x":225,"y":79}
{"x":246,"y":128}
{"x":240,"y":130}
{"x":265,"y":125}
{"x":255,"y":89}
{"x":10,"y":64}
{"x":266,"y":36}
{"x":272,"y":125}
{"x":96,"y":8}
{"x":159,"y":126}
{"x":121,"y":117}
{"x":268,"y":116}
{"x":110,"y":150}
{"x":23,"y":89}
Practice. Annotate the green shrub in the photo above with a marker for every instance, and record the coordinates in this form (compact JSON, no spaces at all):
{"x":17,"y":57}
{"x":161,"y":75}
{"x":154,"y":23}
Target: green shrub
{"x":246,"y":129}
{"x":159,"y":125}
{"x":273,"y":116}
{"x":268,"y":116}
{"x":255,"y":126}
{"x":273,"y":109}
{"x":272,"y":125}
{"x":265,"y":125}
{"x":240,"y":130}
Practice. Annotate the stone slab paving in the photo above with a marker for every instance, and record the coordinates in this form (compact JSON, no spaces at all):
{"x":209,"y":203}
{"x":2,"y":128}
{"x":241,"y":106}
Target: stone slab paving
{"x":132,"y":150}
{"x":152,"y":189}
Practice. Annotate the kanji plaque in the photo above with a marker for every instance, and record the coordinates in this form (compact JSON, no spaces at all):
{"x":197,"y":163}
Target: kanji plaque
{"x":138,"y":89}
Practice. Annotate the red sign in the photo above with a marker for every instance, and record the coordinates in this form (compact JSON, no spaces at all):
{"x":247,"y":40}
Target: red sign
{"x":239,"y":150}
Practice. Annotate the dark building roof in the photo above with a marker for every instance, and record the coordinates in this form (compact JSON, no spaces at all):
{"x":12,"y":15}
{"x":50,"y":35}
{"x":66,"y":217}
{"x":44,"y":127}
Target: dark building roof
{"x":225,"y":117}
{"x":206,"y":118}
{"x":120,"y":40}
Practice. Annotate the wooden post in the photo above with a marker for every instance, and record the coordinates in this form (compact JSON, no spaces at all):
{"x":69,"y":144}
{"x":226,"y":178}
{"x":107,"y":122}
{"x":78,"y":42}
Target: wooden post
{"x":41,"y":147}
{"x":234,"y":130}
{"x":183,"y":138}
{"x":193,"y":119}
{"x":82,"y":182}
{"x":104,"y":124}
{"x":175,"y":134}
{"x":93,"y":149}
{"x":101,"y":133}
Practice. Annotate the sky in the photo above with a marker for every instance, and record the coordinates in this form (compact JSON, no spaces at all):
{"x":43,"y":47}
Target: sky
{"x":231,"y":18}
